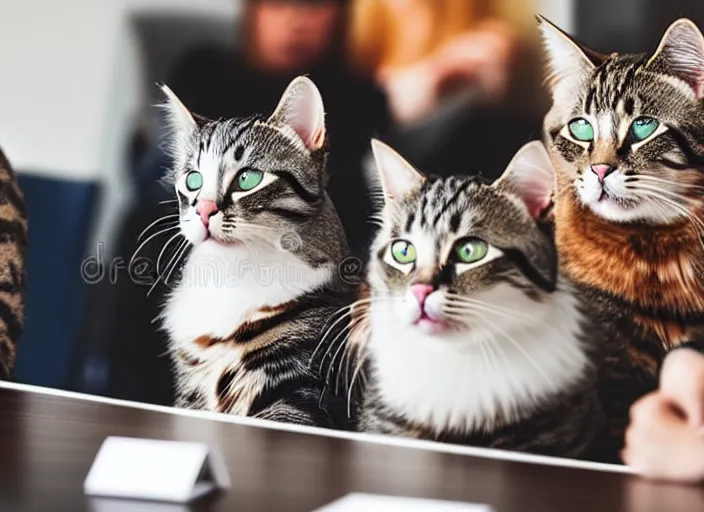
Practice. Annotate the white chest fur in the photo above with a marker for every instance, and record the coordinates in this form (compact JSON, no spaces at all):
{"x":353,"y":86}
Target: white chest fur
{"x":507,"y":365}
{"x":221,"y":288}
{"x":222,"y":285}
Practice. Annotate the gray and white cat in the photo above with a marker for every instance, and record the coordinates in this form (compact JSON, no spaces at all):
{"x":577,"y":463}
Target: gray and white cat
{"x":262,"y":275}
{"x":470,"y":335}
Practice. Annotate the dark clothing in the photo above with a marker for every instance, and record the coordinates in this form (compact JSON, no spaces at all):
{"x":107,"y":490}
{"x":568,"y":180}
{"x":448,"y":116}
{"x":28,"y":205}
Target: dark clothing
{"x":466,"y":138}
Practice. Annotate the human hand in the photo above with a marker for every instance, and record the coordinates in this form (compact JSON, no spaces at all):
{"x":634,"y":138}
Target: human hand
{"x":682,"y":381}
{"x":481,"y":57}
{"x":665,"y":439}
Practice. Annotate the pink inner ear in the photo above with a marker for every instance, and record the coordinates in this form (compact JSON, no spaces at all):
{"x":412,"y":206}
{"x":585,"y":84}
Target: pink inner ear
{"x":536,"y":206}
{"x":317,"y":139}
{"x":536,"y":197}
{"x":313,"y":136}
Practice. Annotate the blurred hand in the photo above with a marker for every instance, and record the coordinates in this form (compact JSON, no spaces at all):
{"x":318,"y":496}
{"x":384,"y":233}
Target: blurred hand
{"x":481,"y":58}
{"x":411,"y":91}
{"x":665,"y":439}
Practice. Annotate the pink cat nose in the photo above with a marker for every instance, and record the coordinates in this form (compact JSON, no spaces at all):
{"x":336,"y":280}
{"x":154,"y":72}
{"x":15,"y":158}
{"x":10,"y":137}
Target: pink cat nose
{"x":602,"y":170}
{"x":421,"y":292}
{"x":206,"y":209}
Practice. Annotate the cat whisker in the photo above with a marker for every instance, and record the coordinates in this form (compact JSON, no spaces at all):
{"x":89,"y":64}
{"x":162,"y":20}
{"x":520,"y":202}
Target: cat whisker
{"x":523,"y":351}
{"x":163,"y":250}
{"x":358,"y":347}
{"x":357,"y":369}
{"x":452,"y":307}
{"x":667,"y":193}
{"x":343,"y":344}
{"x":336,"y":318}
{"x":324,"y":338}
{"x":461,"y":301}
{"x":492,"y":326}
{"x":182,"y":251}
{"x":173,"y":263}
{"x":166,"y":230}
{"x":654,"y":179}
{"x":156,"y":222}
{"x":672,"y":203}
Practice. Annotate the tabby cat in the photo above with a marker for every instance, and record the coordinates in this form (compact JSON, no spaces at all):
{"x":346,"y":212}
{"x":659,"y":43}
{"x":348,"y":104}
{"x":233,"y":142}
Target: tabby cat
{"x":626,"y":134}
{"x":13,"y":244}
{"x":470,"y":335}
{"x":262,"y":275}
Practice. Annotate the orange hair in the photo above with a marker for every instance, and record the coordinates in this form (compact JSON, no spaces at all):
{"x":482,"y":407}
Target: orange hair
{"x":374,"y":30}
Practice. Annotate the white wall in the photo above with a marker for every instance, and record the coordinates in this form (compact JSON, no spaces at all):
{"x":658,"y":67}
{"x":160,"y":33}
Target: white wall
{"x":560,"y":12}
{"x":58,"y":63}
{"x":69,"y":88}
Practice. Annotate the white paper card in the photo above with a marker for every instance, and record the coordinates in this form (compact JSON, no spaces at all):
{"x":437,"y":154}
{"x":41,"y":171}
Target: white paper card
{"x":96,"y":504}
{"x":148,"y":469}
{"x":357,"y":502}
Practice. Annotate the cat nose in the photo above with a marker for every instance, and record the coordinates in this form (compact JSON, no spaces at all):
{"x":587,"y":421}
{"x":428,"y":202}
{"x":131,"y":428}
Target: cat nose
{"x":206,"y":209}
{"x":421,"y":292}
{"x":602,"y":171}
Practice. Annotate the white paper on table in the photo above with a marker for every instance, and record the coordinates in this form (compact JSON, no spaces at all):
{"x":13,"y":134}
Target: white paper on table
{"x":356,"y":502}
{"x":154,"y":470}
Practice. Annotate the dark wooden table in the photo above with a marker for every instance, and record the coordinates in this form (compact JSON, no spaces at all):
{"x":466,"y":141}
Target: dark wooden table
{"x":48,"y":442}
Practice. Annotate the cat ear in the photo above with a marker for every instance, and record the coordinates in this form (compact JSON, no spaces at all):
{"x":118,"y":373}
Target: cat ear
{"x":567,"y":60}
{"x":530,"y":176}
{"x":301,"y":108}
{"x":179,"y":118}
{"x":681,"y":54}
{"x":397,"y":177}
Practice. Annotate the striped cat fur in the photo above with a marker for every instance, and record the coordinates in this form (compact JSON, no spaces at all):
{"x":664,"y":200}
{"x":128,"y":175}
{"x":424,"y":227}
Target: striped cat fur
{"x":261,"y":248}
{"x":500,"y":351}
{"x":634,"y":234}
{"x":13,"y":246}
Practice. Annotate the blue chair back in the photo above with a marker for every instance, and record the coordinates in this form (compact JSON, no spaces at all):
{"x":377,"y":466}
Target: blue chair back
{"x":60,"y":213}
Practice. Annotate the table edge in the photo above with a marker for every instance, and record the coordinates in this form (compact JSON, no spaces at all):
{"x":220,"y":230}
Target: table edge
{"x":484,"y":453}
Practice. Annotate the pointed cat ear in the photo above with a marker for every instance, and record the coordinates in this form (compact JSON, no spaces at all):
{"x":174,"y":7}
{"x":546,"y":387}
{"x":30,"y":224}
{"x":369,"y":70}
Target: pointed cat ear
{"x":179,"y":118}
{"x":567,"y":60}
{"x":301,"y":108}
{"x":397,"y":177}
{"x":681,"y":54}
{"x":531,"y":176}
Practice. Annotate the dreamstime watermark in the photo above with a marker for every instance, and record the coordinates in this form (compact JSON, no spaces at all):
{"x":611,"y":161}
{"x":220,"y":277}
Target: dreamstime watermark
{"x":214,"y":272}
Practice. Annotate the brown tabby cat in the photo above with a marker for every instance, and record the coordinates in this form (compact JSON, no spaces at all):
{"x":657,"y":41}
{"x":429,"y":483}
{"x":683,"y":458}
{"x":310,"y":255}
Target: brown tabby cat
{"x":626,"y":135}
{"x":13,"y":242}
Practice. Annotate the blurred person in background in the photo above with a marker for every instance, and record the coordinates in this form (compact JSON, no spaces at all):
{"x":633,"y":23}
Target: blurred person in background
{"x":463,"y":78}
{"x":283,"y":39}
{"x":280,"y":39}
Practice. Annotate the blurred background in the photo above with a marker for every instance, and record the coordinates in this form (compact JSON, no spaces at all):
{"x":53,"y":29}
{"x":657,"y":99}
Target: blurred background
{"x":454,"y":85}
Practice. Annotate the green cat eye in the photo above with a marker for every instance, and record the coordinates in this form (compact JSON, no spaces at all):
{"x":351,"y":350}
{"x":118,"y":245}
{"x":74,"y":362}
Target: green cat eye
{"x":581,"y":129}
{"x":403,"y":252}
{"x":194,"y":181}
{"x":644,"y":127}
{"x":247,"y":179}
{"x":471,"y":251}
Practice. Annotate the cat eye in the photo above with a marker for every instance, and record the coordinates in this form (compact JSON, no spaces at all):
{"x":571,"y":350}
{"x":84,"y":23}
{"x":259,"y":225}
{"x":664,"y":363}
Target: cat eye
{"x":194,"y":181}
{"x":403,"y":252}
{"x":247,"y":179}
{"x":581,"y":129}
{"x":471,"y":251}
{"x":644,"y":127}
